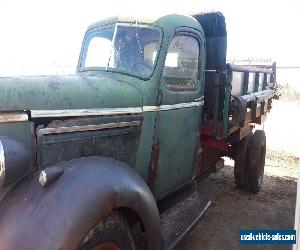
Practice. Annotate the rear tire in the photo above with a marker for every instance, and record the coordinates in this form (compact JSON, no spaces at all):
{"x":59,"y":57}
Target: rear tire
{"x":240,"y":162}
{"x":256,"y":162}
{"x":113,"y":233}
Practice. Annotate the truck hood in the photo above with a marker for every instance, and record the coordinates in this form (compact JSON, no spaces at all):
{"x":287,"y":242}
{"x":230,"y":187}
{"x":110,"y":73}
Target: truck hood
{"x":66,"y":92}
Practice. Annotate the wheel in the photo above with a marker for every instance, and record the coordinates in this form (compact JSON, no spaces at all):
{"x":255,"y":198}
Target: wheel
{"x":113,"y":233}
{"x":240,"y":161}
{"x":256,"y":162}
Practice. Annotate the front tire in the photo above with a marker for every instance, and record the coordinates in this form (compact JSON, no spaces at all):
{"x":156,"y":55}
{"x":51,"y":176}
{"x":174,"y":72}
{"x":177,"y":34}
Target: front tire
{"x":113,"y":233}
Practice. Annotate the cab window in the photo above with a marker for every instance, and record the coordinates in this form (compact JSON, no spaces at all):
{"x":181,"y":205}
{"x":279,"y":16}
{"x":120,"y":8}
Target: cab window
{"x":182,"y":63}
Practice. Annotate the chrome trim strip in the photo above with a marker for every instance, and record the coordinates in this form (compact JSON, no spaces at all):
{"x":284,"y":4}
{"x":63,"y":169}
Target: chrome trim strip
{"x":180,"y":106}
{"x":84,"y":112}
{"x":2,"y":164}
{"x":111,"y":111}
{"x":60,"y":130}
{"x":6,"y":117}
{"x":199,"y":99}
{"x":150,"y":109}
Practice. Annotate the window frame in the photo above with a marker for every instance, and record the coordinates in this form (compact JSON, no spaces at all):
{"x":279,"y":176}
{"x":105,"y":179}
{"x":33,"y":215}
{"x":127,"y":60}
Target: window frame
{"x":87,"y":39}
{"x":182,"y":88}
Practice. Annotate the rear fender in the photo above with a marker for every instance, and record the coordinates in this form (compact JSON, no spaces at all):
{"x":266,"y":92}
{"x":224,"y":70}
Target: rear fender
{"x":60,"y":215}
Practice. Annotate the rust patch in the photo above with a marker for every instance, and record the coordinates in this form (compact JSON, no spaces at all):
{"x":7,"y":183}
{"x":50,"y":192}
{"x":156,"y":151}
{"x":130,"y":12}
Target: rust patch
{"x":197,"y":171}
{"x":209,"y":152}
{"x":107,"y":245}
{"x":153,"y":164}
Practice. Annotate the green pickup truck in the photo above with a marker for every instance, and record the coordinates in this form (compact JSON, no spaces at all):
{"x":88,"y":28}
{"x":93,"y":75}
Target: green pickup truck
{"x":151,"y":110}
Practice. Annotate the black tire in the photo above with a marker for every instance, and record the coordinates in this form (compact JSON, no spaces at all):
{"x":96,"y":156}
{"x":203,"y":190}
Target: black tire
{"x":256,"y":162}
{"x":111,"y":233}
{"x":240,"y":162}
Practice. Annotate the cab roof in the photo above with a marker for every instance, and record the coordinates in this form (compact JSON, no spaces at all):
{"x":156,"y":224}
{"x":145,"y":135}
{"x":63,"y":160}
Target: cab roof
{"x":164,"y":22}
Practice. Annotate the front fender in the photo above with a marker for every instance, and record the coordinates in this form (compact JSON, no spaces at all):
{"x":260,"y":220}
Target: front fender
{"x":60,"y":215}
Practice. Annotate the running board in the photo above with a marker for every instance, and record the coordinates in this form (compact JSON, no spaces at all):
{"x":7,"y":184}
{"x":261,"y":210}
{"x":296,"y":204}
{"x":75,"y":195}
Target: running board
{"x":179,"y":219}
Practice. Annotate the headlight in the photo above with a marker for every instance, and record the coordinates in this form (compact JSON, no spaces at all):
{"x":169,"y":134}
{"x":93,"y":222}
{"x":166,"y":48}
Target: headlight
{"x":14,"y":160}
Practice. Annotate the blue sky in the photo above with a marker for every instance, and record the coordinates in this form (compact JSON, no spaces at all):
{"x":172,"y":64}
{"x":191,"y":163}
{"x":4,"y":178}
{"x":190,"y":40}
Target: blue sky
{"x":44,"y":37}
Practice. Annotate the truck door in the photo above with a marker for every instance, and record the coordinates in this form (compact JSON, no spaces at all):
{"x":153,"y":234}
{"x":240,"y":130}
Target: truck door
{"x":180,"y":110}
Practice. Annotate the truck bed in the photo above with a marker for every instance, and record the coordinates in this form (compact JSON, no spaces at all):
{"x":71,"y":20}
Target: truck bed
{"x":235,"y":96}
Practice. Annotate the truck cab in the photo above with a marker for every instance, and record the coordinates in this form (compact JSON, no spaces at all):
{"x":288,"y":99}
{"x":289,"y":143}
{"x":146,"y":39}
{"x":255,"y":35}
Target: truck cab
{"x":166,"y":64}
{"x":151,"y":110}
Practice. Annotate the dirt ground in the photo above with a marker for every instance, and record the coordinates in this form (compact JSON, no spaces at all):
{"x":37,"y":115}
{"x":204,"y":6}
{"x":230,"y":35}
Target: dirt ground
{"x":272,"y":208}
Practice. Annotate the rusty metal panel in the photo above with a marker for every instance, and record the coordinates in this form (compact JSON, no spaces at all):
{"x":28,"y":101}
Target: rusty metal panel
{"x":67,"y":92}
{"x":113,"y":137}
{"x":87,"y":191}
{"x":85,"y":128}
{"x":240,"y":133}
{"x":153,"y":164}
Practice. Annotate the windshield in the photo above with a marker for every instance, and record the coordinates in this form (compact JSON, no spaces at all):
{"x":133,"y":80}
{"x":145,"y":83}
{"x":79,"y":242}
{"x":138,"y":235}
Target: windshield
{"x":130,"y":49}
